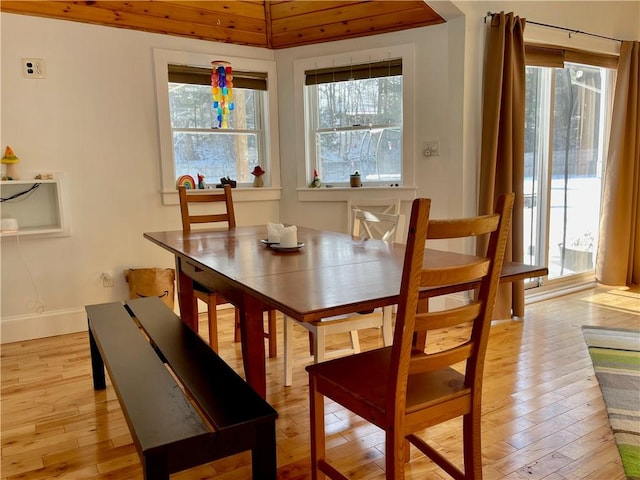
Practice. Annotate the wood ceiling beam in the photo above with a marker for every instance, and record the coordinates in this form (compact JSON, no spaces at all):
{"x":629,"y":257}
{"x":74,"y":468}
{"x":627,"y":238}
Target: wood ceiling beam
{"x":260,"y":23}
{"x":287,"y":34}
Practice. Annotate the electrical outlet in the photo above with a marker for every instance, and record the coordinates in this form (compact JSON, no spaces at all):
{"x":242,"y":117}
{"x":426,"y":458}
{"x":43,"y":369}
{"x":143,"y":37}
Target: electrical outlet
{"x":107,"y":280}
{"x":33,"y":68}
{"x":431,"y":148}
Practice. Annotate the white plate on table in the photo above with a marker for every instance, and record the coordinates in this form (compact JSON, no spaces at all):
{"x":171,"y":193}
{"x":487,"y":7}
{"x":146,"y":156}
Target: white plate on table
{"x":266,"y":242}
{"x":278,"y":248}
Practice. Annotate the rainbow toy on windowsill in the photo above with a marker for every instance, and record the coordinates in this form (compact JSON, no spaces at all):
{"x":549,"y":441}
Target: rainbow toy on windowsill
{"x":186,"y":181}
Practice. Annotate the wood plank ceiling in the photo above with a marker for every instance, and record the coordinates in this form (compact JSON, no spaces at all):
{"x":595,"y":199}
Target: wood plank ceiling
{"x":270,"y":24}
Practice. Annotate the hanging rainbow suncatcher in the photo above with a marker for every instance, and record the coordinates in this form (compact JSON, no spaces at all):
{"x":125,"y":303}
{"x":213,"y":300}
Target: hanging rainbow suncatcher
{"x":222,"y":91}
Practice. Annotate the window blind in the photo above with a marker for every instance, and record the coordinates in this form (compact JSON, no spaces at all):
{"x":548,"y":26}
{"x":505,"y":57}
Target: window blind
{"x":202,"y":76}
{"x":385,"y":68}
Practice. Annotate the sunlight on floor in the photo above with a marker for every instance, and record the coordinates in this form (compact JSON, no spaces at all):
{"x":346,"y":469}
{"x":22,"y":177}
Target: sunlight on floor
{"x":622,"y":299}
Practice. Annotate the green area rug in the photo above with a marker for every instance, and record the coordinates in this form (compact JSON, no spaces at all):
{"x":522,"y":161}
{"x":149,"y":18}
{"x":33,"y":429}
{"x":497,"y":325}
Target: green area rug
{"x":616,"y":360}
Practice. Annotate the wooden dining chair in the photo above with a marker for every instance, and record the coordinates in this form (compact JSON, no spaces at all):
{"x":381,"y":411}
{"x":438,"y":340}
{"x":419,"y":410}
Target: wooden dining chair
{"x":409,"y":386}
{"x":365,"y":226}
{"x":212,"y":299}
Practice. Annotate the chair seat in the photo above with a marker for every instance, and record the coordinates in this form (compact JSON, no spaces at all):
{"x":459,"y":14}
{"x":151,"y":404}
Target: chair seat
{"x":362,"y":381}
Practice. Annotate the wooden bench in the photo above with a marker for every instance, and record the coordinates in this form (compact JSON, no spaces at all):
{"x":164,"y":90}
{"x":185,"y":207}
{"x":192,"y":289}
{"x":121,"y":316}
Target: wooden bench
{"x":169,"y":433}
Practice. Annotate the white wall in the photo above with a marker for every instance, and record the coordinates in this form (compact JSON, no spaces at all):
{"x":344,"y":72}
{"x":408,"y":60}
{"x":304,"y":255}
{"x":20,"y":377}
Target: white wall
{"x":431,"y":120}
{"x":94,"y":117}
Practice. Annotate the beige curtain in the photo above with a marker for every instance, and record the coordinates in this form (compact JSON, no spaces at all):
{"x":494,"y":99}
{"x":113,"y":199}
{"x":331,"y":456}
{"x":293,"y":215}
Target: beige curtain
{"x":618,"y":259}
{"x":502,"y":154}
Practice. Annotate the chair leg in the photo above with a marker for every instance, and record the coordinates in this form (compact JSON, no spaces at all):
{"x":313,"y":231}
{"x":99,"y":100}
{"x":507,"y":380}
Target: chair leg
{"x":387,"y":327}
{"x":273,"y":333}
{"x":311,"y":344}
{"x":288,"y":351}
{"x":212,"y":316}
{"x":236,"y":332}
{"x":318,"y":452}
{"x":319,"y":345}
{"x":355,"y":341}
{"x":471,"y":439}
{"x":194,"y":299}
{"x":395,"y":451}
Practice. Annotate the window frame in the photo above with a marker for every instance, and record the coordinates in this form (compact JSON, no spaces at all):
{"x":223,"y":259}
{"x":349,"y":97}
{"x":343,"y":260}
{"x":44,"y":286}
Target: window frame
{"x":550,"y":57}
{"x":314,"y":129}
{"x":304,"y":136}
{"x":259,"y":133}
{"x":162,"y":58}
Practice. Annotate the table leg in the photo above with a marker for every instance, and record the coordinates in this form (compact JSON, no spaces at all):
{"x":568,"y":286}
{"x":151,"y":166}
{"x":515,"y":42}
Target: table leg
{"x":518,"y":299}
{"x":252,"y":334}
{"x":186,"y":299}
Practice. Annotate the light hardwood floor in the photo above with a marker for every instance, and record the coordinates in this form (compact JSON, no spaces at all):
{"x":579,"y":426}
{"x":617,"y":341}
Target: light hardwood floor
{"x":543,"y":413}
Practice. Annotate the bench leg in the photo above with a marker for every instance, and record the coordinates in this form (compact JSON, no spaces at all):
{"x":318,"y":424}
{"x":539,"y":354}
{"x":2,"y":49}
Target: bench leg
{"x":263,"y":455}
{"x":97,"y":365}
{"x":155,"y":467}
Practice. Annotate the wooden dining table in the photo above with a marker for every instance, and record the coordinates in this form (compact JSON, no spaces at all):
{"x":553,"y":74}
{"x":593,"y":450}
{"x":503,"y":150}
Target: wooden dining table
{"x":329,"y":274}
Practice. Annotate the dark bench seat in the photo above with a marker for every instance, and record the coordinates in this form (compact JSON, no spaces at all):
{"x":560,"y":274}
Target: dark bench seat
{"x":169,"y":433}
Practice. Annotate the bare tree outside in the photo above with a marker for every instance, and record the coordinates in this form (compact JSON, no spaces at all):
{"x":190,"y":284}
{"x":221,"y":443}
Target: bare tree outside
{"x":358,"y":127}
{"x":200,"y":148}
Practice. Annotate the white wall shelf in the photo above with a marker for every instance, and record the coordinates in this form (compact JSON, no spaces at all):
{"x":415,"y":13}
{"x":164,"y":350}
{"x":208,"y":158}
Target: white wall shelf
{"x":42,"y":212}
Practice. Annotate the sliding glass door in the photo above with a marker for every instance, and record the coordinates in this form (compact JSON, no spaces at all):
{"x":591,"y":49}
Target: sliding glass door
{"x":566,"y":127}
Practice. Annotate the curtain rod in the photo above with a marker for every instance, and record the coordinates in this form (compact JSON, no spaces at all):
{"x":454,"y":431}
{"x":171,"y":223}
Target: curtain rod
{"x":570,"y":30}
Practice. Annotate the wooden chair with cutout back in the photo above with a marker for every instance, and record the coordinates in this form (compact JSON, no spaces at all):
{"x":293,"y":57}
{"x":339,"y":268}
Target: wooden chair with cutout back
{"x":365,"y":226}
{"x":407,"y":387}
{"x":188,"y":197}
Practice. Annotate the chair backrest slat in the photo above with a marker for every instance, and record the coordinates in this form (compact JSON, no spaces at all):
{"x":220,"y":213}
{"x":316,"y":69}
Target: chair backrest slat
{"x":188,"y":197}
{"x":435,"y":361}
{"x":462,"y":227}
{"x":435,"y":277}
{"x":448,"y":318}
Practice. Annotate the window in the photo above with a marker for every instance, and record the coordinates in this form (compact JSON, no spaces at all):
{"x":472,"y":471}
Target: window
{"x":200,"y":147}
{"x":566,"y":126}
{"x":354,"y":122}
{"x":189,"y":143}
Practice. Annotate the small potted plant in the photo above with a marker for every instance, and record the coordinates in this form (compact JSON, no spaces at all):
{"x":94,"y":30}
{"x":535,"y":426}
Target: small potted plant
{"x":354,"y":179}
{"x":578,"y":252}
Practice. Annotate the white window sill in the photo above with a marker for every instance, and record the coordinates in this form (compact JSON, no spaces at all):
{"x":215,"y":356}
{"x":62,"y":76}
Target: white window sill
{"x":342,"y":194}
{"x":240,"y":194}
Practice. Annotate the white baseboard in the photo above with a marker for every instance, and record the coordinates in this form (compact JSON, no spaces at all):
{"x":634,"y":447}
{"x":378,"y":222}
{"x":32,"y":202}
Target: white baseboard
{"x":539,"y":294}
{"x":40,"y":325}
{"x":59,"y":322}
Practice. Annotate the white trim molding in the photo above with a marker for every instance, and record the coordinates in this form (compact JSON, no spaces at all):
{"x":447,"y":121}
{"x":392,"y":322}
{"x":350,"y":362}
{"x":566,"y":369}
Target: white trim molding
{"x":31,"y":326}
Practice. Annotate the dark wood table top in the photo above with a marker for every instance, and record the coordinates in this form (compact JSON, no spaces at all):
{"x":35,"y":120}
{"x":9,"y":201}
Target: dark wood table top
{"x":332,"y":273}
